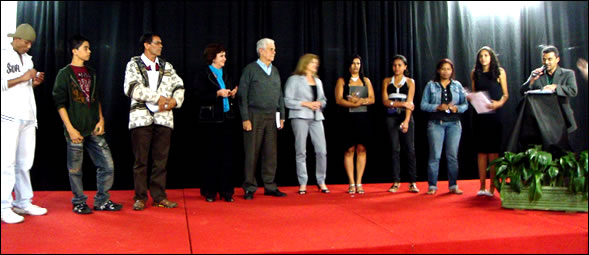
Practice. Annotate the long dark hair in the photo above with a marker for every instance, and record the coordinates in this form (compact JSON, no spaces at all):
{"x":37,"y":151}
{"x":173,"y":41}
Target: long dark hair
{"x":493,"y":66}
{"x":439,"y":65}
{"x":402,"y":58}
{"x":348,"y":63}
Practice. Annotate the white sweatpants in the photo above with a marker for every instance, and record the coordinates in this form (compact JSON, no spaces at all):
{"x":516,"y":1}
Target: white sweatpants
{"x":18,"y":153}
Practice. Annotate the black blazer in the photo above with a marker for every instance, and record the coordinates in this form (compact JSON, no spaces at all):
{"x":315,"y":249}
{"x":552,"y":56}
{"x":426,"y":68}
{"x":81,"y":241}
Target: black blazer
{"x":209,"y":104}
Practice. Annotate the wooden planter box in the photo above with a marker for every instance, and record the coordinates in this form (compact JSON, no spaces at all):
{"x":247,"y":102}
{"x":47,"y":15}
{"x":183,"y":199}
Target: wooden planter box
{"x":553,"y":198}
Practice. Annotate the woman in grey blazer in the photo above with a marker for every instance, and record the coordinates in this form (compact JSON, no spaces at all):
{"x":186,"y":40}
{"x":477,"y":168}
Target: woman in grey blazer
{"x":304,"y":97}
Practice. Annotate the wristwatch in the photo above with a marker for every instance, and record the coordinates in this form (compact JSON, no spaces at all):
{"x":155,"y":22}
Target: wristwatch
{"x":391,"y":103}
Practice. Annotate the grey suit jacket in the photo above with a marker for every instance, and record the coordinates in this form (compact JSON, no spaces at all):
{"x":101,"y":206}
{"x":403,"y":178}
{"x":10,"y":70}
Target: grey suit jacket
{"x":567,"y":87}
{"x":297,"y":90}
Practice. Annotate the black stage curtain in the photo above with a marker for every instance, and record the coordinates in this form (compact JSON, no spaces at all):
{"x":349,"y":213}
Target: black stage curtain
{"x":422,"y":31}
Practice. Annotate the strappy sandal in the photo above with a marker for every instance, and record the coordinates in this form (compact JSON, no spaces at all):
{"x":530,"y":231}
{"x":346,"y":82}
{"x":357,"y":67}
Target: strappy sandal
{"x":326,"y":190}
{"x":395,"y":187}
{"x":413,"y":188}
{"x":302,"y":191}
{"x":359,"y":189}
{"x":352,"y":189}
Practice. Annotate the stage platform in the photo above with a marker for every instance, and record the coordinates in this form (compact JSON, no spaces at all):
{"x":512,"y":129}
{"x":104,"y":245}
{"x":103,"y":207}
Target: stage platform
{"x":375,"y":222}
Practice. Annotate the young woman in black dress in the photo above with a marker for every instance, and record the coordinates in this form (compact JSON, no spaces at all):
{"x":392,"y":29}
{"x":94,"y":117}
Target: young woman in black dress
{"x":488,"y":75}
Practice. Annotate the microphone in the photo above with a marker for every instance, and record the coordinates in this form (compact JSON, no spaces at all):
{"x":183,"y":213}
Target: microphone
{"x":534,"y":74}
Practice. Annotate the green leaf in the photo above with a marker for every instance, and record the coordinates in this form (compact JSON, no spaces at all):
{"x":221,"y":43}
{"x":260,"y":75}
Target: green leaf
{"x":579,"y":184}
{"x":525,"y":173}
{"x":553,"y":172}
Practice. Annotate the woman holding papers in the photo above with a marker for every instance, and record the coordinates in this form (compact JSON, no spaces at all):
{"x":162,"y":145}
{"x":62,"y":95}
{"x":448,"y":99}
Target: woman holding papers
{"x":304,"y":97}
{"x":445,"y":100}
{"x":488,"y":77}
{"x":354,"y":93}
{"x":397,"y":96}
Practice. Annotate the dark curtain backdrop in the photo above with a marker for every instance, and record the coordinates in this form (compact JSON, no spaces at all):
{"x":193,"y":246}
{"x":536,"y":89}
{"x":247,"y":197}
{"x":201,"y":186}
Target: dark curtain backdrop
{"x":422,"y":31}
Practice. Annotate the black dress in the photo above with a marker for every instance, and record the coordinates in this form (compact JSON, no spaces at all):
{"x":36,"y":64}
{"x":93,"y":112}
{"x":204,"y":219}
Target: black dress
{"x":488,"y":127}
{"x":357,"y":124}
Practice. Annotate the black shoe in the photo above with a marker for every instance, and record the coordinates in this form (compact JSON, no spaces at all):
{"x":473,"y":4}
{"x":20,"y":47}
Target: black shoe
{"x":275,"y":193}
{"x":109,"y":206}
{"x":210,"y":199}
{"x":82,"y":208}
{"x":228,"y":198}
{"x":249,"y":195}
{"x":326,"y":190}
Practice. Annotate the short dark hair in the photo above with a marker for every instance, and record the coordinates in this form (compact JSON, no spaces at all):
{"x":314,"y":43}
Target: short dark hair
{"x":146,"y":38}
{"x":439,"y":66}
{"x":211,"y":51}
{"x":550,"y":48}
{"x":76,"y":41}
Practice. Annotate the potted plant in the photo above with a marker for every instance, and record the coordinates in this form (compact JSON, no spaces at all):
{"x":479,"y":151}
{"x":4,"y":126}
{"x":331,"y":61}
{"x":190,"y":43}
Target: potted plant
{"x":532,"y":179}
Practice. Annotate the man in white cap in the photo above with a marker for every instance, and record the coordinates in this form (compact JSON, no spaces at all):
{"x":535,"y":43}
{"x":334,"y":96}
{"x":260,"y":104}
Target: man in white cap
{"x":19,"y":122}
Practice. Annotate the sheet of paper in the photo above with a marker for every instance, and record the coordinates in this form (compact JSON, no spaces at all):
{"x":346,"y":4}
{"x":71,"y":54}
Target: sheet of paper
{"x":480,"y":101}
{"x":277,"y":119}
{"x":539,"y":91}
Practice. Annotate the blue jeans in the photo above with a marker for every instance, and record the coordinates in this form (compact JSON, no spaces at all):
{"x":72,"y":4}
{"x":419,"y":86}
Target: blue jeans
{"x":440,"y":134}
{"x":100,"y":154}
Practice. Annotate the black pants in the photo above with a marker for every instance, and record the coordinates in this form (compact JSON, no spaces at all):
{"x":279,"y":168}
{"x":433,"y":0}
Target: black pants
{"x":154,"y":139}
{"x":398,"y":139}
{"x":216,"y":168}
{"x":261,"y":142}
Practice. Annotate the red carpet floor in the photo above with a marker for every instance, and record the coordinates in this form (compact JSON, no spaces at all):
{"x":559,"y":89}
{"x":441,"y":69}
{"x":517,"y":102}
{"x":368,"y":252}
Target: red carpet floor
{"x":376,"y":222}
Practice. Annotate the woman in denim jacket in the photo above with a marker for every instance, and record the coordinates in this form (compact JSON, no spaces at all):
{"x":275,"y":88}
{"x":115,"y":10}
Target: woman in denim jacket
{"x":444,"y":98}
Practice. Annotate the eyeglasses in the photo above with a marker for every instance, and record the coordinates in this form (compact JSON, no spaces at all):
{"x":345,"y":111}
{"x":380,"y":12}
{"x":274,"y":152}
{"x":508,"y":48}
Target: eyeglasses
{"x":156,"y":43}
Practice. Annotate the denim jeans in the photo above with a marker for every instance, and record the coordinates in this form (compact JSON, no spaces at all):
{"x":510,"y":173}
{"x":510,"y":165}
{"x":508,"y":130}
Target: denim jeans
{"x":440,"y":134}
{"x":100,"y":154}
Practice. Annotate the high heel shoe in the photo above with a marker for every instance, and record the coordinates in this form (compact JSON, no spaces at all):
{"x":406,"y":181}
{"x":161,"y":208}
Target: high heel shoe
{"x":352,"y":189}
{"x":326,"y":190}
{"x":302,"y":191}
{"x":359,"y":189}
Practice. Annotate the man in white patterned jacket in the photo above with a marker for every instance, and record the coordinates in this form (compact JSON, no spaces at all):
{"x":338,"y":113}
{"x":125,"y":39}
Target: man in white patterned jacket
{"x":155,"y":89}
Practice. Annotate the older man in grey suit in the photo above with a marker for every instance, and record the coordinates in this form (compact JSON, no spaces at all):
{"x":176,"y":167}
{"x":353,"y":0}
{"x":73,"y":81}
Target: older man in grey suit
{"x":304,"y":96}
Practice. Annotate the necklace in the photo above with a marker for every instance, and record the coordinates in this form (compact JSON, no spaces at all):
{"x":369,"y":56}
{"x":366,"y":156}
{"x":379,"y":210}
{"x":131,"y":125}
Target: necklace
{"x":354,"y":78}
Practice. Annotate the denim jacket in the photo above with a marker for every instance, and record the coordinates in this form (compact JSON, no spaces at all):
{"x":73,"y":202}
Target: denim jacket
{"x":432,"y":96}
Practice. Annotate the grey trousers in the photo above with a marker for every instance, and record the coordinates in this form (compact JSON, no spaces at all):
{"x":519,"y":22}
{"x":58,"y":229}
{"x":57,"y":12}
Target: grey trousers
{"x":301,"y":128}
{"x":261,"y":140}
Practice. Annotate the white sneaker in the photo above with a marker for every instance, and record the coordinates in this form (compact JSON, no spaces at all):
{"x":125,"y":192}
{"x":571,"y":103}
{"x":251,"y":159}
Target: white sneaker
{"x":488,"y":193}
{"x":10,"y":217}
{"x":30,"y":210}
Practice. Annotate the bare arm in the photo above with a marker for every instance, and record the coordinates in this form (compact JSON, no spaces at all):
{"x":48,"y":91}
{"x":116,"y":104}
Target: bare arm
{"x":503,"y":81}
{"x":370,"y":99}
{"x":339,"y":95}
